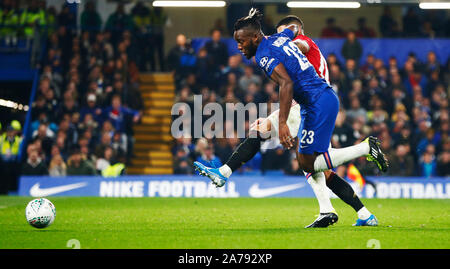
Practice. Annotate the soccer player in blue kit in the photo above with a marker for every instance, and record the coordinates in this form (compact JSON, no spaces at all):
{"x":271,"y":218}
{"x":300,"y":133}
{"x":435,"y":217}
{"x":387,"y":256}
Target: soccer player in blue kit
{"x":285,"y":64}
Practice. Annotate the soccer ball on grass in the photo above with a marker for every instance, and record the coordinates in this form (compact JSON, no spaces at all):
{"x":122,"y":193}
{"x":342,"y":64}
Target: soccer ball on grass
{"x":40,"y":212}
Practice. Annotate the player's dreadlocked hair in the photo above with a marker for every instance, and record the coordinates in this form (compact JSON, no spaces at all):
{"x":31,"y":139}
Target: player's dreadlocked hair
{"x":251,"y":21}
{"x":289,"y":20}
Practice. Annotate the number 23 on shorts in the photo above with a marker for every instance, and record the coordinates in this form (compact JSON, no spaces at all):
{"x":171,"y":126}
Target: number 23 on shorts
{"x":307,"y":137}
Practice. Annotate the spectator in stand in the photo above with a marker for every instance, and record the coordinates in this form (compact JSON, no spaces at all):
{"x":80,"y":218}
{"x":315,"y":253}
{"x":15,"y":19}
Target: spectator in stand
{"x":248,"y":78}
{"x":57,"y":167}
{"x":181,"y":59}
{"x":411,"y":24}
{"x":34,"y":165}
{"x":79,"y":166}
{"x":427,"y":165}
{"x":117,"y":23}
{"x":363,"y":30}
{"x":67,"y":19}
{"x":352,"y":48}
{"x":443,"y":164}
{"x":207,"y":156}
{"x":159,"y":20}
{"x":91,"y":108}
{"x":217,"y":51}
{"x":10,"y":22}
{"x":343,"y":135}
{"x":331,"y":30}
{"x":387,"y":24}
{"x":142,"y":20}
{"x":356,"y":111}
{"x":105,"y":160}
{"x":90,"y":18}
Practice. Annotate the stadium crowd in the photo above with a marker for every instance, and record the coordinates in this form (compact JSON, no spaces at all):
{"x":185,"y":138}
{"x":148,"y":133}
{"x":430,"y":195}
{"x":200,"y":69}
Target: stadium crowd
{"x":88,"y":98}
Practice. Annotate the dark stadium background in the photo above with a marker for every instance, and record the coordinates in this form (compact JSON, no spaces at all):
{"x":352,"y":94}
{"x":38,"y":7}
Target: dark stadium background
{"x":153,"y":57}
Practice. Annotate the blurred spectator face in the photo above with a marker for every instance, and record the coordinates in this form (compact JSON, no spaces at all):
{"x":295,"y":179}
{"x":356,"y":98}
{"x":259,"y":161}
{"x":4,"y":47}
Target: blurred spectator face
{"x":350,"y":64}
{"x":431,"y":149}
{"x":107,"y":126}
{"x":357,"y":85}
{"x":370,"y":59}
{"x":378,"y":64}
{"x":181,"y":40}
{"x":84,"y":152}
{"x":201,"y":145}
{"x":33,"y":156}
{"x":252,"y":88}
{"x":233,"y":61}
{"x":91,"y":98}
{"x":116,"y":102}
{"x":76,"y":158}
{"x":64,"y":125}
{"x":83,"y":142}
{"x":106,"y":139}
{"x":269,"y":88}
{"x":409,"y":66}
{"x":209,"y":152}
{"x":181,"y":153}
{"x":55,"y":151}
{"x":248,"y":71}
{"x":431,"y":57}
{"x":42,"y":131}
{"x":331,"y":59}
{"x":117,"y":137}
{"x":351,"y":36}
{"x":334,"y":71}
{"x":87,"y":134}
{"x":427,"y":157}
{"x":108,"y":154}
{"x":393,"y":62}
{"x":355,"y":104}
{"x":396,"y":79}
{"x":373,"y":83}
{"x":69,"y":103}
{"x":30,"y":148}
{"x":401,"y":151}
{"x":216,"y":35}
{"x":202,"y":53}
{"x":61,"y":142}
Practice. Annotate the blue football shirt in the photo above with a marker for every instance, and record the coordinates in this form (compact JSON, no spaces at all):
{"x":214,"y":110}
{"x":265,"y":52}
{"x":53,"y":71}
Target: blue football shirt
{"x":279,"y":48}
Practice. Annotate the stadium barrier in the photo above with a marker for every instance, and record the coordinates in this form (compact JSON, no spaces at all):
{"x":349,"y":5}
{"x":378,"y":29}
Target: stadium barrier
{"x":237,"y":186}
{"x":380,"y":47}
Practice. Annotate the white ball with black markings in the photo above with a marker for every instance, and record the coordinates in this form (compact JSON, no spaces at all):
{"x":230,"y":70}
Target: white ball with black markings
{"x":40,"y":212}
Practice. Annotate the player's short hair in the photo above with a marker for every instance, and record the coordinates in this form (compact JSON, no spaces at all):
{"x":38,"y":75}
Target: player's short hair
{"x":289,"y":20}
{"x":252,"y":21}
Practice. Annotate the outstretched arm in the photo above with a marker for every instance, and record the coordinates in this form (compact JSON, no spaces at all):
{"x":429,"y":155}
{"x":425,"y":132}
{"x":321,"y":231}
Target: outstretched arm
{"x":302,"y":45}
{"x":281,"y":77}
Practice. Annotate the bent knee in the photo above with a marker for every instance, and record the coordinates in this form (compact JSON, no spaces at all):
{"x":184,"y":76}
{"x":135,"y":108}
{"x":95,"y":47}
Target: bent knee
{"x":307,"y":167}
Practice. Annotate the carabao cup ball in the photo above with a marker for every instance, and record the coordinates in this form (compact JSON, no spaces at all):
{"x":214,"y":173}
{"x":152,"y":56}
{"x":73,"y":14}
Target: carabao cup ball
{"x":40,"y":212}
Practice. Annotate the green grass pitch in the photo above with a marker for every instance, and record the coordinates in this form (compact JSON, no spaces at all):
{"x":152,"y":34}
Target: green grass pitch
{"x":191,"y":223}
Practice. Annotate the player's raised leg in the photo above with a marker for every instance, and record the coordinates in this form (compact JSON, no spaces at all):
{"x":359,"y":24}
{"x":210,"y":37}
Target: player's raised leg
{"x":316,"y":129}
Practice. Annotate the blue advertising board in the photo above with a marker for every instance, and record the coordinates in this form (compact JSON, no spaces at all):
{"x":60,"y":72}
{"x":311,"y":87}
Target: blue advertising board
{"x":237,"y":186}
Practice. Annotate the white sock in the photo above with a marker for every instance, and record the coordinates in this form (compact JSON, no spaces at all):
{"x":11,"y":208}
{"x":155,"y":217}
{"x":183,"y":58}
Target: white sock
{"x":225,"y":170}
{"x":318,"y":184}
{"x":335,"y":157}
{"x":363,"y":213}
